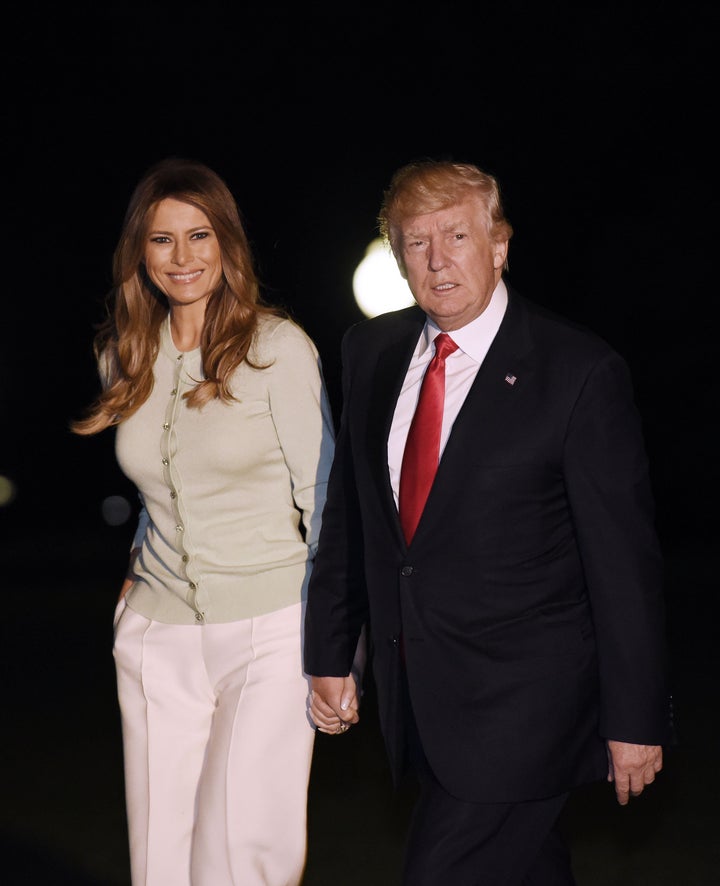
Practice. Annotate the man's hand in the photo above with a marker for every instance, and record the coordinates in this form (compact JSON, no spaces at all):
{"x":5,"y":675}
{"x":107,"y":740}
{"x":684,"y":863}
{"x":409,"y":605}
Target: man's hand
{"x":334,"y":703}
{"x":631,"y":767}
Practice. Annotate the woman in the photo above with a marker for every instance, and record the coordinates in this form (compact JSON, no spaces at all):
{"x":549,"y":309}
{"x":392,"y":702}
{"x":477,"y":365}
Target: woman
{"x":223,"y":424}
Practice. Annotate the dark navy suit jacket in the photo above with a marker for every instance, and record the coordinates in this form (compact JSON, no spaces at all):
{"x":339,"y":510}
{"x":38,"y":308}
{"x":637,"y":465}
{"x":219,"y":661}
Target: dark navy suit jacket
{"x":530,"y":601}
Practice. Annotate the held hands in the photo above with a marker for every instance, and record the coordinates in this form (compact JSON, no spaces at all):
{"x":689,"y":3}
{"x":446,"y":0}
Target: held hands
{"x":334,"y":703}
{"x":632,"y":767}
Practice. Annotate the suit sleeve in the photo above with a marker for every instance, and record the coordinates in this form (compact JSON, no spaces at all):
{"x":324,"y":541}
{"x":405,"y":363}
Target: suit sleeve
{"x":337,"y":601}
{"x":609,"y":489}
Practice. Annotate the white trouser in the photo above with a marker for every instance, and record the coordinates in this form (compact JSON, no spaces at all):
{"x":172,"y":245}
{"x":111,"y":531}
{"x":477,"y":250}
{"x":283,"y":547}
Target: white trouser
{"x":217,"y":749}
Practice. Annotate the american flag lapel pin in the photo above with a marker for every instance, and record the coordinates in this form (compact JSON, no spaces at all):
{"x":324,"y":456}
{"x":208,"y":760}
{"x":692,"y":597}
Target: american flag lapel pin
{"x":510,"y":379}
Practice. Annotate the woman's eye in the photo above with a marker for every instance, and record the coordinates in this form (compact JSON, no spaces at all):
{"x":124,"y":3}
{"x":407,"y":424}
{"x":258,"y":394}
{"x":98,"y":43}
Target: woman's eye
{"x":200,"y":235}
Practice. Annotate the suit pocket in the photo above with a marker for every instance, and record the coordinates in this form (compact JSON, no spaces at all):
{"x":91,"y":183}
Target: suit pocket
{"x":553,"y":632}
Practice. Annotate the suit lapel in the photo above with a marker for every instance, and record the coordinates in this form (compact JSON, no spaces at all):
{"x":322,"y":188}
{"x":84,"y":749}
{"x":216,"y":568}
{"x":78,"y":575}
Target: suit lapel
{"x":387,"y":380}
{"x":496,"y":390}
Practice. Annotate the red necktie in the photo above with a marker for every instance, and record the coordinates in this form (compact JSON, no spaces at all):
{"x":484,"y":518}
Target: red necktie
{"x":422,"y":449}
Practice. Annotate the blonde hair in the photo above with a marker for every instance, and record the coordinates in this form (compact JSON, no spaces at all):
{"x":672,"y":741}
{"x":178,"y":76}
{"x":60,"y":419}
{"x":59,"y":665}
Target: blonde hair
{"x":127,"y":341}
{"x":430,"y":185}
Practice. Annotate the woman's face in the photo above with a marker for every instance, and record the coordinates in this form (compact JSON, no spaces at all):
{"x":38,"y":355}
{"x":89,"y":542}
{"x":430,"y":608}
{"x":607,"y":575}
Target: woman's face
{"x":182,"y":253}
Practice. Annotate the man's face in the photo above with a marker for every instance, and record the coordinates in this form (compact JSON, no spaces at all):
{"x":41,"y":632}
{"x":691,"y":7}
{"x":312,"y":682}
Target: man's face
{"x":452,"y":265}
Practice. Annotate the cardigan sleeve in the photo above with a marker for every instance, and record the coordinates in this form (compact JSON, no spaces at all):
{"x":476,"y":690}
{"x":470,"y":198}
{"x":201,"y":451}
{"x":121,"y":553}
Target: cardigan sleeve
{"x":303,"y":421}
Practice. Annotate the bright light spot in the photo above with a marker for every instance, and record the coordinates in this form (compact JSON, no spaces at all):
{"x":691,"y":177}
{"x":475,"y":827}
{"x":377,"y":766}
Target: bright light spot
{"x":116,"y":510}
{"x":7,"y":491}
{"x":377,"y":283}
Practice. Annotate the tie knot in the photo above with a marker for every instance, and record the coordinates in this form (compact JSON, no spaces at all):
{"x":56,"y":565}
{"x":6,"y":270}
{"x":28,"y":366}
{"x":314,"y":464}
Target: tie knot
{"x":444,"y":346}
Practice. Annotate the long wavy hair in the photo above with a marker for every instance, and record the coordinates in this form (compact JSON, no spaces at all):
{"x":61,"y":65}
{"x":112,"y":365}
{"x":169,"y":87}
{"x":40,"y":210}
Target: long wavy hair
{"x":126,"y":343}
{"x":429,"y":185}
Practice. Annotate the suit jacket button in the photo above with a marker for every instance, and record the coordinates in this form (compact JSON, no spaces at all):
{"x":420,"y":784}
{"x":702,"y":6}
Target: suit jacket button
{"x":406,"y":570}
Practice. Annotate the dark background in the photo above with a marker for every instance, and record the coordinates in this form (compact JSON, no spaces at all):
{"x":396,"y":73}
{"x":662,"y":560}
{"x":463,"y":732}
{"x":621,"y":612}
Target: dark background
{"x":598,"y":121}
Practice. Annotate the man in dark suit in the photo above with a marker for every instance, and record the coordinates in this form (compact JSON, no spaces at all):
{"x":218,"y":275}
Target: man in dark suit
{"x":516,"y":616}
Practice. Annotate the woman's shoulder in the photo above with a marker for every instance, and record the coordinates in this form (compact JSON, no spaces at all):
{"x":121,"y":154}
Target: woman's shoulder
{"x":277,"y":336}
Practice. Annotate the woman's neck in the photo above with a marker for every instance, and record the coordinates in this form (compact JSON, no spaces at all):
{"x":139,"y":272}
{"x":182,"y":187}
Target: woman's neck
{"x":186,"y":327}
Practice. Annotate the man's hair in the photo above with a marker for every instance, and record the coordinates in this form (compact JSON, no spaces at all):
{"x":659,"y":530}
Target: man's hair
{"x":430,"y":185}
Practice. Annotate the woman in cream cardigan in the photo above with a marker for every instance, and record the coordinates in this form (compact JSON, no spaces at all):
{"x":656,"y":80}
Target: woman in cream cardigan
{"x":223,"y":424}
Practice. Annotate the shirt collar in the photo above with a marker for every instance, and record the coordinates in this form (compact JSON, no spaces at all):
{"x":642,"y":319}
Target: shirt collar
{"x":476,"y":337}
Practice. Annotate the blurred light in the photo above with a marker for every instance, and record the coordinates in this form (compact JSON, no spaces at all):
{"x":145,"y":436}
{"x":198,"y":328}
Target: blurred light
{"x":116,"y":510}
{"x":378,"y":284}
{"x":8,"y":490}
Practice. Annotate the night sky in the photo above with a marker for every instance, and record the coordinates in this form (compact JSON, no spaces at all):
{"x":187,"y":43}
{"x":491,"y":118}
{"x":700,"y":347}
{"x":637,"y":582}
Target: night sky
{"x":597,"y":122}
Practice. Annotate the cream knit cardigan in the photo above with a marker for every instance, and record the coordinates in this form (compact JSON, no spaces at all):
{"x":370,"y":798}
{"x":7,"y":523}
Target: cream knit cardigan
{"x":232,"y":493}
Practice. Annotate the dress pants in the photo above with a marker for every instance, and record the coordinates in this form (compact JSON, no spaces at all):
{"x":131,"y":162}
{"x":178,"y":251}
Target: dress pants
{"x":484,"y":844}
{"x":217,"y":748}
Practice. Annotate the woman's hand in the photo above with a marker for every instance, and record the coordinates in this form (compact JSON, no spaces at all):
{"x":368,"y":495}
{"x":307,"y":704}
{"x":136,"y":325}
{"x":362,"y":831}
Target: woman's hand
{"x":334,"y":704}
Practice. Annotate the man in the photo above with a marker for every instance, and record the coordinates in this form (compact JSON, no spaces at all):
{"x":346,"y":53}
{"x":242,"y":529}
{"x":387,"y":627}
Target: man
{"x":516,"y":615}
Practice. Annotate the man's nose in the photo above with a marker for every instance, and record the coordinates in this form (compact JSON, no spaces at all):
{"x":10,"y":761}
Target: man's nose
{"x":437,"y":256}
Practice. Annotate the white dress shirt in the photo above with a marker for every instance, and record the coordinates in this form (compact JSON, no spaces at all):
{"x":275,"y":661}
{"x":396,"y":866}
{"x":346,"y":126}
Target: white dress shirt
{"x":461,"y":367}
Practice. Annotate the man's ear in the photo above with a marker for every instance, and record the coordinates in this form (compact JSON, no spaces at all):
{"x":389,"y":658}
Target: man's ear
{"x":500,"y":251}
